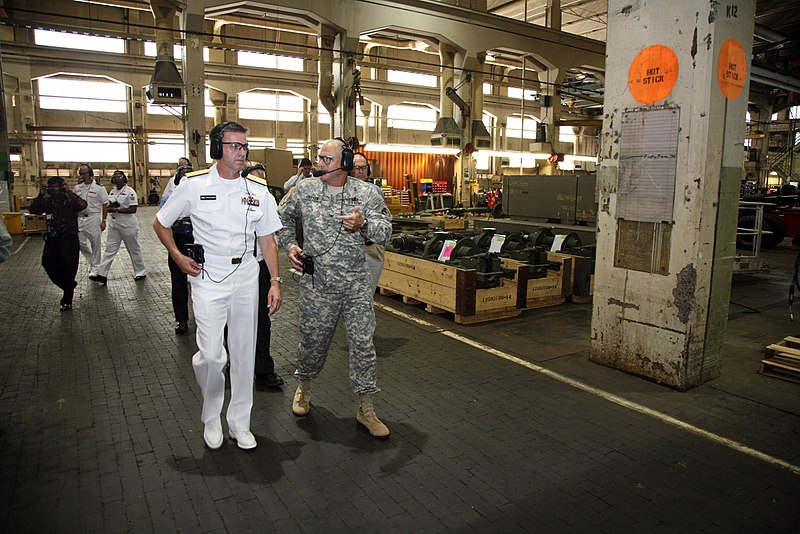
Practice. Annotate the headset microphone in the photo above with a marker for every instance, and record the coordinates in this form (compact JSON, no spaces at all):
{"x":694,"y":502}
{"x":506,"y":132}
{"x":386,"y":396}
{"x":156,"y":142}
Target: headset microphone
{"x":323,"y":173}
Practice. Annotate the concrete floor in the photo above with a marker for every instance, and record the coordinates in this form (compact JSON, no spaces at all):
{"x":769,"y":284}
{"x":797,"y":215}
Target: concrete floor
{"x":499,"y":427}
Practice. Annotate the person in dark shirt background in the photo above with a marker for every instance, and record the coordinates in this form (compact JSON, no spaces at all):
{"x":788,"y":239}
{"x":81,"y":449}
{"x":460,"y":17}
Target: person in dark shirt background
{"x":61,"y":247}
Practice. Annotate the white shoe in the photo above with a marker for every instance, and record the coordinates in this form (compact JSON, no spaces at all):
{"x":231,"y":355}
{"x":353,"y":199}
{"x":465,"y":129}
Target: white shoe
{"x":244,"y":439}
{"x":212,"y":434}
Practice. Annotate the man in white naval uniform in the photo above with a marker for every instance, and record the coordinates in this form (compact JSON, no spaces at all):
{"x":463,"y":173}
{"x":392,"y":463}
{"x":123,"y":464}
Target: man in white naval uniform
{"x":225,"y":210}
{"x":124,"y":228}
{"x":92,"y":220}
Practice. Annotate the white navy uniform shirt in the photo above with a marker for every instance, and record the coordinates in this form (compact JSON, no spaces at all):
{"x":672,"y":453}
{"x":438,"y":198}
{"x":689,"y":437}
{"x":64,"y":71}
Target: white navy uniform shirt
{"x":224,"y":214}
{"x":95,"y":196}
{"x":125,"y":197}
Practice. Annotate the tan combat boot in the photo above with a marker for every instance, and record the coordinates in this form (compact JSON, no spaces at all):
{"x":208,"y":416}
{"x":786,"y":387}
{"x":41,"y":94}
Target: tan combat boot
{"x":366,"y":416}
{"x":300,"y":406}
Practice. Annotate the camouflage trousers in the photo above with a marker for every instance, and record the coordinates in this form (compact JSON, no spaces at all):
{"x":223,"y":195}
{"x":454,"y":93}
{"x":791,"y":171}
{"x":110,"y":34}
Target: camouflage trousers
{"x":319,"y":315}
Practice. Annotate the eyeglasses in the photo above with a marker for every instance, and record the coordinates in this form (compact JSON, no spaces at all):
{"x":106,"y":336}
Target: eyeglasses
{"x":360,"y":168}
{"x":83,"y":173}
{"x":238,"y":146}
{"x":324,"y":159}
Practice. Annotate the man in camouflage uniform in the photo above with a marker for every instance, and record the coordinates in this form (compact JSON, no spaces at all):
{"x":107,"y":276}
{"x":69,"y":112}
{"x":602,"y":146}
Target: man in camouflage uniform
{"x":339,"y":214}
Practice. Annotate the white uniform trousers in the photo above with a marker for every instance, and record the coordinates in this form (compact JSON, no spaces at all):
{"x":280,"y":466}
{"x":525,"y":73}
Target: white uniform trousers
{"x":129,"y":236}
{"x":234,"y":302}
{"x":89,"y":237}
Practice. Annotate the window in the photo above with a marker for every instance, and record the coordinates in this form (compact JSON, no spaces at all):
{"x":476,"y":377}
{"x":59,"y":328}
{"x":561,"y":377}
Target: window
{"x":82,"y":93}
{"x":794,"y":112}
{"x":514,"y":126}
{"x":412,"y":78}
{"x":80,"y":146}
{"x":487,"y":88}
{"x":150,"y":50}
{"x":165,"y":148}
{"x":516,"y":92}
{"x":271,"y":106}
{"x":79,"y":42}
{"x":270,"y":61}
{"x":297,"y":146}
{"x":411,"y":117}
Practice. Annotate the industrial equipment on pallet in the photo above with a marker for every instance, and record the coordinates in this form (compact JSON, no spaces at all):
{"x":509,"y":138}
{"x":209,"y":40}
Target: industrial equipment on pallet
{"x":783,"y":360}
{"x":484,"y":276}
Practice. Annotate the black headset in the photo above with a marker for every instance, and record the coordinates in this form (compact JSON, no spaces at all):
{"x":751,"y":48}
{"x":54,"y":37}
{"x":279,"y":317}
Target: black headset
{"x":215,"y":139}
{"x":253,"y":167}
{"x":369,"y":169}
{"x":347,"y":155}
{"x":88,"y":168}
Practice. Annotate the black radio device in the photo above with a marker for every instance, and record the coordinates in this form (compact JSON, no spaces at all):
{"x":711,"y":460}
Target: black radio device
{"x":196,"y":252}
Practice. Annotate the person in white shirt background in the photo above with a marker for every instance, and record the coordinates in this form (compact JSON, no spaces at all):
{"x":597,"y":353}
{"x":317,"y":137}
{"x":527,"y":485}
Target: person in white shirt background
{"x":124,"y":228}
{"x":92,"y":220}
{"x":304,"y":170}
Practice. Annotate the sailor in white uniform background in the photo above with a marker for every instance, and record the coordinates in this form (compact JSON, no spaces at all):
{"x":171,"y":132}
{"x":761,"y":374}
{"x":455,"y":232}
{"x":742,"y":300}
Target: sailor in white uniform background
{"x":124,"y":228}
{"x":225,"y":210}
{"x":92,"y":220}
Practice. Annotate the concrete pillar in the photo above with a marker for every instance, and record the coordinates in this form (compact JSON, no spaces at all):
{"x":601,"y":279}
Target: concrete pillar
{"x":366,"y":111}
{"x":344,"y":67}
{"x":140,"y":176}
{"x":761,"y":114}
{"x":194,"y":134}
{"x":553,"y":15}
{"x":312,"y":130}
{"x":672,"y":140}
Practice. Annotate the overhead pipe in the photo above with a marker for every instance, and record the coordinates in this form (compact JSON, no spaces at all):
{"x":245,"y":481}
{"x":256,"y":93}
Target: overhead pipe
{"x":447,"y":57}
{"x":164,"y":12}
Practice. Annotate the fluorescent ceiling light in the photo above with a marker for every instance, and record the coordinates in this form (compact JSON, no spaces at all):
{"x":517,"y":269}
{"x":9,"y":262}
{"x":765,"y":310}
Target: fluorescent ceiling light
{"x":412,"y":149}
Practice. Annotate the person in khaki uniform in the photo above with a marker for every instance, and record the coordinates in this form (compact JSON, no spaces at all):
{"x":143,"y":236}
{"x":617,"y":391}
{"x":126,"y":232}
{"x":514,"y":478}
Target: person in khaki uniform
{"x":339,"y":214}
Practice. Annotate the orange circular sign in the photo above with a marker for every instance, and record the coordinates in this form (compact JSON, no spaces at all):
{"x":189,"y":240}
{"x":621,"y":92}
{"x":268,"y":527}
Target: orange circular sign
{"x":653,"y":74}
{"x":731,"y":69}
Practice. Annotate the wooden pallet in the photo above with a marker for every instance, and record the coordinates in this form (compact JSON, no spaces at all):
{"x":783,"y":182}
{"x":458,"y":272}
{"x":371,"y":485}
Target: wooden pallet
{"x":448,"y":289}
{"x":782,"y":360}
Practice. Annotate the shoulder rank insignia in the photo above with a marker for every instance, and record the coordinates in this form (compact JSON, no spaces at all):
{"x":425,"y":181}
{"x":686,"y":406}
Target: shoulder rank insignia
{"x":256,"y":179}
{"x":196,"y":173}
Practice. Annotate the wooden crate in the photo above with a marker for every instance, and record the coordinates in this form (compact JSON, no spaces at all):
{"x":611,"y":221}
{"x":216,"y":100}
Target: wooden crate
{"x":783,"y":360}
{"x":446,"y":288}
{"x":581,"y":279}
{"x":446,"y":223}
{"x":541,"y":292}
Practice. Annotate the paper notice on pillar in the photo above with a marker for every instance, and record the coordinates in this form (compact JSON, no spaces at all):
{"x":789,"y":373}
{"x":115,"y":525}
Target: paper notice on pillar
{"x":557,"y":242}
{"x":648,"y":165}
{"x":447,"y":249}
{"x":497,"y":243}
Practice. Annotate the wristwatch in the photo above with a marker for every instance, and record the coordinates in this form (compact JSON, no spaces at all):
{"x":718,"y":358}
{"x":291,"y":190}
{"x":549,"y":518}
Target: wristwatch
{"x":276,"y":279}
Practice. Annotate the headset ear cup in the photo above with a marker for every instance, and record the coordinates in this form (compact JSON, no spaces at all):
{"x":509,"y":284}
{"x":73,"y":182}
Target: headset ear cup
{"x":347,"y":159}
{"x":369,"y":170}
{"x":216,"y":147}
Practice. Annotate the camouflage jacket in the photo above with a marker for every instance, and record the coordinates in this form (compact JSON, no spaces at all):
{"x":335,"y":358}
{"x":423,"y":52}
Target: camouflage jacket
{"x":338,"y":254}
